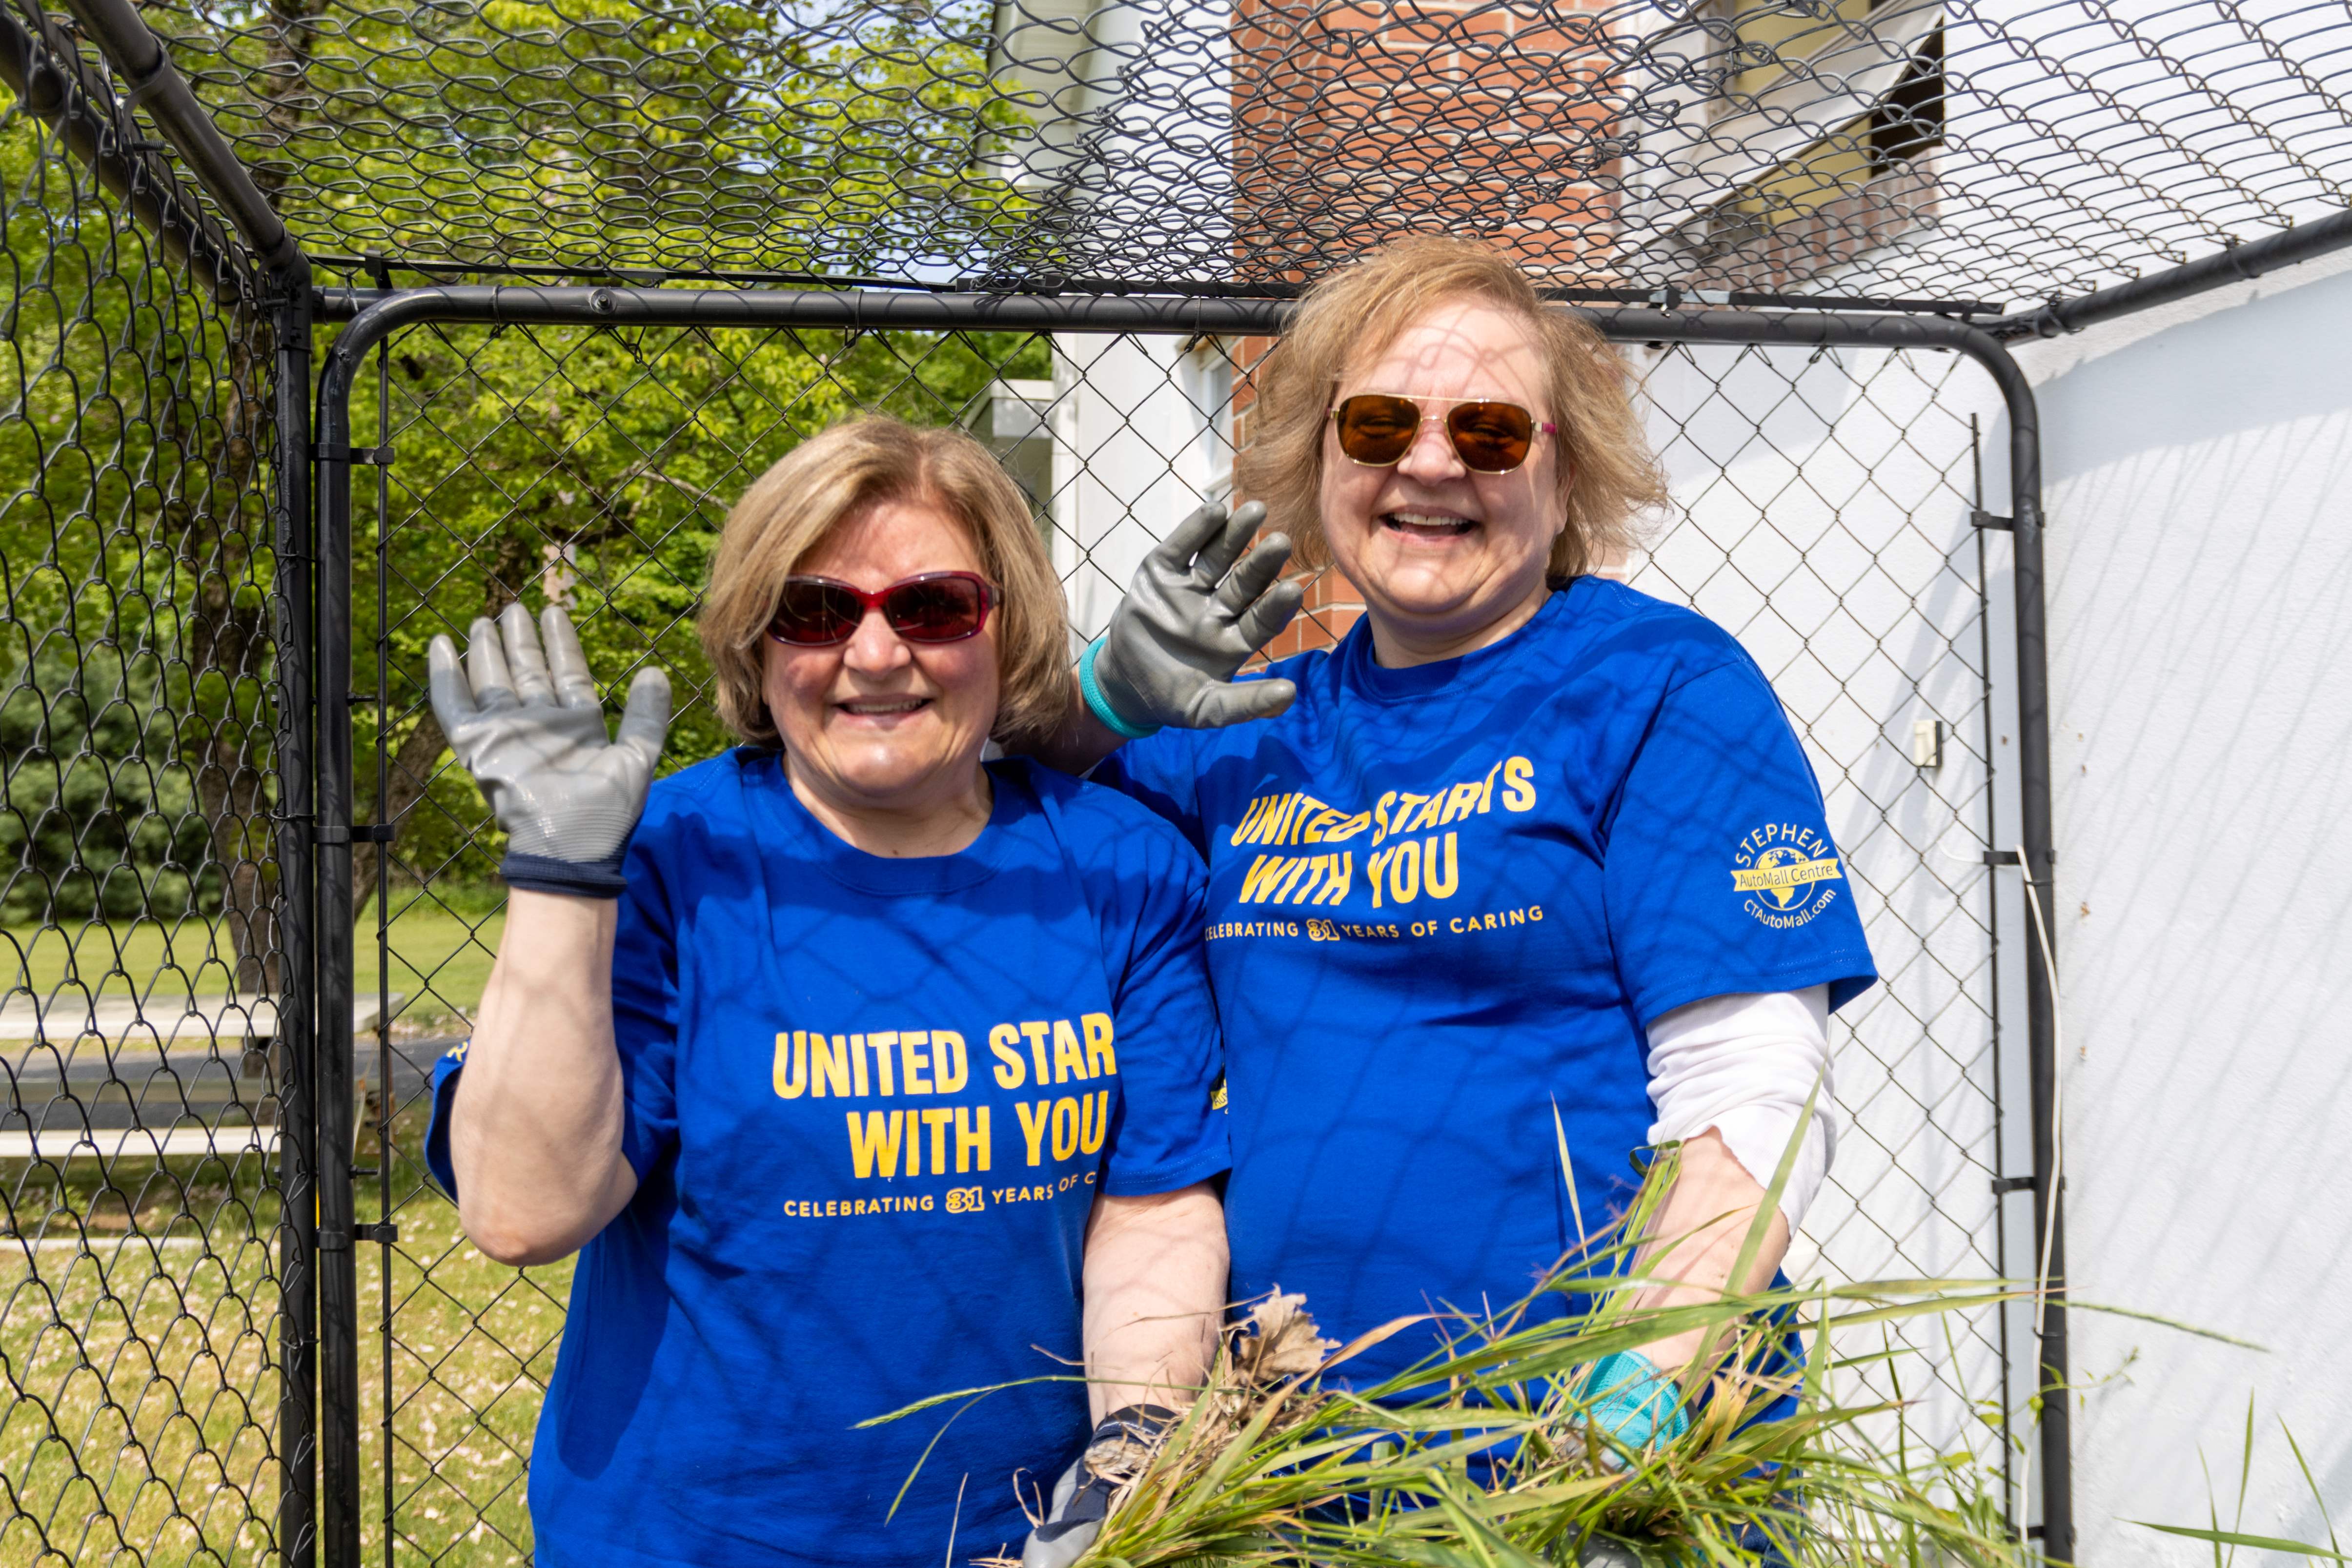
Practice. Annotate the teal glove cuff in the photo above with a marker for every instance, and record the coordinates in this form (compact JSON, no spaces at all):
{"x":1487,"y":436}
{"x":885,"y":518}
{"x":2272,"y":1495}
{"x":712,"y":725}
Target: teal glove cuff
{"x":1099,"y":705}
{"x":1632,"y":1401}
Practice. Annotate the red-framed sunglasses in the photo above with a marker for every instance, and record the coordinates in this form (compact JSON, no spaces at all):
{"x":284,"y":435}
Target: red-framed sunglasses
{"x":932,"y":607}
{"x":1376,"y":429}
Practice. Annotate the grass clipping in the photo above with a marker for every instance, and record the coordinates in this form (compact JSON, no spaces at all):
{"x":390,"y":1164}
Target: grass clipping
{"x":1485,"y":1455}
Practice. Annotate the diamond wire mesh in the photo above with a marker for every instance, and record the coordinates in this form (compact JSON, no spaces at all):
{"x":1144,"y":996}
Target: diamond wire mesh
{"x":140,"y":901}
{"x":1823,"y":504}
{"x":1821,"y":512}
{"x":1998,"y":150}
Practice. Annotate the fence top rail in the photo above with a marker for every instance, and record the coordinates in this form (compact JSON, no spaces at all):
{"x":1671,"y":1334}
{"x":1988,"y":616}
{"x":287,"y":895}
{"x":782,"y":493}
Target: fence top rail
{"x":374,"y":315}
{"x":1985,"y":153}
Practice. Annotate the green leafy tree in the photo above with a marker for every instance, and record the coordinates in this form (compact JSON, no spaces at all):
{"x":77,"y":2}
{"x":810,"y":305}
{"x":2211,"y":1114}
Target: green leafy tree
{"x":136,"y":727}
{"x":592,"y":465}
{"x":592,"y":468}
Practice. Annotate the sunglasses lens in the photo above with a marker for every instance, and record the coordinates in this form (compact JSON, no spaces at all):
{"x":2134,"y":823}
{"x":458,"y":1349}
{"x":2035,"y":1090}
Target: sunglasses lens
{"x":937,"y":609}
{"x":1491,"y":437}
{"x":1378,"y":430}
{"x":814,"y":614}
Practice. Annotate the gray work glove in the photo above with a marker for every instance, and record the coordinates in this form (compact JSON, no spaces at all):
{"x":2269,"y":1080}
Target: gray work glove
{"x":1121,"y":1446}
{"x":1191,"y":619}
{"x":531,"y":731}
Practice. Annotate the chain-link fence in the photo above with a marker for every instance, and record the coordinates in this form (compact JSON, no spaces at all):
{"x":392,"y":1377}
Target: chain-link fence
{"x":1033,"y":165}
{"x":1958,"y":149}
{"x":140,"y":895}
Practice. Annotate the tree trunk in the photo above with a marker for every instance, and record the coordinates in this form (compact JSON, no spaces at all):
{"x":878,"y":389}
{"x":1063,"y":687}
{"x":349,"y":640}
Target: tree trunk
{"x":229,"y":791}
{"x":406,"y":782}
{"x":410,"y":773}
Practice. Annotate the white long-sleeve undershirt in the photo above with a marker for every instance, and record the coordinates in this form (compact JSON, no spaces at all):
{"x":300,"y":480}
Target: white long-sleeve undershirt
{"x":1745,"y":1065}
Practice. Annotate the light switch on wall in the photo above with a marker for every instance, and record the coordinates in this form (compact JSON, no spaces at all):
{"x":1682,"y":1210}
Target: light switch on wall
{"x":1927,"y":743}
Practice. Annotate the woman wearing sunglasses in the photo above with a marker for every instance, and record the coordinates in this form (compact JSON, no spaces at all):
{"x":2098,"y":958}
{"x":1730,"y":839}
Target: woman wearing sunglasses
{"x":861,"y":1070}
{"x":1530,"y":867}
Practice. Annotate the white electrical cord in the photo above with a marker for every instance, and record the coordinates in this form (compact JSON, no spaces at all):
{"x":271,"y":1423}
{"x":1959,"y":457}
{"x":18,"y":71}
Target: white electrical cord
{"x":2057,"y":1096}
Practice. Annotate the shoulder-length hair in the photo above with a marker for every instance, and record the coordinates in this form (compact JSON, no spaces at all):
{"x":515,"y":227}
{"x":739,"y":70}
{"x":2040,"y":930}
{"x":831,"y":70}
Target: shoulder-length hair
{"x":1606,"y":471}
{"x":833,"y":478}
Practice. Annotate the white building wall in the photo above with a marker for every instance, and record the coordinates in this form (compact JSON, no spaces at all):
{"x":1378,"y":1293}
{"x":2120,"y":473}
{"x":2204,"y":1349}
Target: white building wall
{"x":1142,"y":435}
{"x":2198,"y":473}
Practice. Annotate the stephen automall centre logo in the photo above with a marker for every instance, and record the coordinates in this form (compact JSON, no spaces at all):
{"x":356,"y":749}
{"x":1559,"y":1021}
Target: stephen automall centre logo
{"x":1780,"y":869}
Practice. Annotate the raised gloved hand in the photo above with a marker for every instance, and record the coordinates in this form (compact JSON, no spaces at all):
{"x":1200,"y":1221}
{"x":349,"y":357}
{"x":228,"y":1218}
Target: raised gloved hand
{"x":531,"y":731}
{"x":1191,"y":619}
{"x":1631,"y":1401}
{"x":1121,"y":1443}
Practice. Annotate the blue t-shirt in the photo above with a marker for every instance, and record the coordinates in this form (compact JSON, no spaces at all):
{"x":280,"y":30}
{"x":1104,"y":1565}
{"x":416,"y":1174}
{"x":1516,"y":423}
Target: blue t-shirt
{"x":869,"y":1103}
{"x":1444,"y":904}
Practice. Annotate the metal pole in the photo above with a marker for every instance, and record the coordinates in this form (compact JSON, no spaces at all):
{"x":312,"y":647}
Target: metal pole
{"x":2238,"y":264}
{"x":157,"y":85}
{"x":2034,"y":816}
{"x":374,"y":315}
{"x":297,"y":1413}
{"x":48,"y":78}
{"x":339,"y":1366}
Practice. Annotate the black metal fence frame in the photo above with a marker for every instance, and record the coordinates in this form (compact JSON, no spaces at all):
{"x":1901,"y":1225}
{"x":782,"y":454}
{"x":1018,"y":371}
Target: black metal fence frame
{"x":319,"y":1504}
{"x":374,"y":315}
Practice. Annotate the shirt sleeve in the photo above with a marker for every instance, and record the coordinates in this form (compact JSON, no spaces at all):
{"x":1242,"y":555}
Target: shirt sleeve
{"x":1165,"y":1135}
{"x":1746,"y":1065}
{"x":646,"y":1009}
{"x":1163,"y":771}
{"x":444,"y":1093}
{"x":1718,"y":871}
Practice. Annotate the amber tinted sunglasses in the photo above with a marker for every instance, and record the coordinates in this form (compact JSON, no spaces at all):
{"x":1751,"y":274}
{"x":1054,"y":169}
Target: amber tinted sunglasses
{"x":935,"y":607}
{"x":1490,"y":437}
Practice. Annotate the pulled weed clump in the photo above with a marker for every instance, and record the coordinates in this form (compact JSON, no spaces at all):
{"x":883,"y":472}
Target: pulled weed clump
{"x":1486,"y":1454}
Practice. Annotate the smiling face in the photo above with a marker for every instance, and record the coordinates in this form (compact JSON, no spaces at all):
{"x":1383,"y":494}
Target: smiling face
{"x":879,"y":726}
{"x":1447,"y":560}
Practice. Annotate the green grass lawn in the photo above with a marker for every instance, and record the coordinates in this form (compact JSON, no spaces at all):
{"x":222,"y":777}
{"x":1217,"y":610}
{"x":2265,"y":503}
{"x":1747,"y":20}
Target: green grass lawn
{"x":440,"y":961}
{"x":473,"y":1345}
{"x":139,"y":1306}
{"x":139,"y":1376}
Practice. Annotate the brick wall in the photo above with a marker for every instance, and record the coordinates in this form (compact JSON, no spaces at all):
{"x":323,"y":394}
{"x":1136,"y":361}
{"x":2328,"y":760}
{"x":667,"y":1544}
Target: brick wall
{"x":1355,"y":123}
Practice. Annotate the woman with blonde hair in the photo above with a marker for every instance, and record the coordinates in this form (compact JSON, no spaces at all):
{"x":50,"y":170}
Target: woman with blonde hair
{"x":1530,"y":868}
{"x":858,"y":1070}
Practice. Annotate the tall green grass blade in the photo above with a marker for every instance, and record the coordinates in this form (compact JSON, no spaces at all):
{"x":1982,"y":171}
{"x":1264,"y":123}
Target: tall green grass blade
{"x":2233,"y":1539}
{"x":1762,"y":1225}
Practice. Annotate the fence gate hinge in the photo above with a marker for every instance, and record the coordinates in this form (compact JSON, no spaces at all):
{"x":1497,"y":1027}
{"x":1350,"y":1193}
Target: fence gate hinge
{"x":358,"y":833}
{"x":388,"y":1233}
{"x":2009,"y":857}
{"x":2004,"y":1185}
{"x":327,"y":452}
{"x":1989,"y":520}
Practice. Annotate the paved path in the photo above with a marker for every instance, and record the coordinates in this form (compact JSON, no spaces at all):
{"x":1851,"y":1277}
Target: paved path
{"x":180,"y":1100}
{"x":159,"y":1020}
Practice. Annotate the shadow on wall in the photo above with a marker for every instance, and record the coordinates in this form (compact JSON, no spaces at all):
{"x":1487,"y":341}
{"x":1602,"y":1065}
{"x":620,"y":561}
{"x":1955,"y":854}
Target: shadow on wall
{"x":2270,"y":362}
{"x":2201,"y":672}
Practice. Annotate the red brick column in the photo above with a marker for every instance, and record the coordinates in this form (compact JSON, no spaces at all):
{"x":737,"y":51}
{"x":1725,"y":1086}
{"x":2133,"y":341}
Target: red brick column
{"x":1357,"y":123}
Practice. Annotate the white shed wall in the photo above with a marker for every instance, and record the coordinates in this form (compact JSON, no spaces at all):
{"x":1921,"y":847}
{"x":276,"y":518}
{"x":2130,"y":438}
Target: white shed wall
{"x":2198,"y":467}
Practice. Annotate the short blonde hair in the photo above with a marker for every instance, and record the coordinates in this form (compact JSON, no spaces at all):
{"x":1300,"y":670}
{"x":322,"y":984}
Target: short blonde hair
{"x":1607,"y":473}
{"x":832,"y":478}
